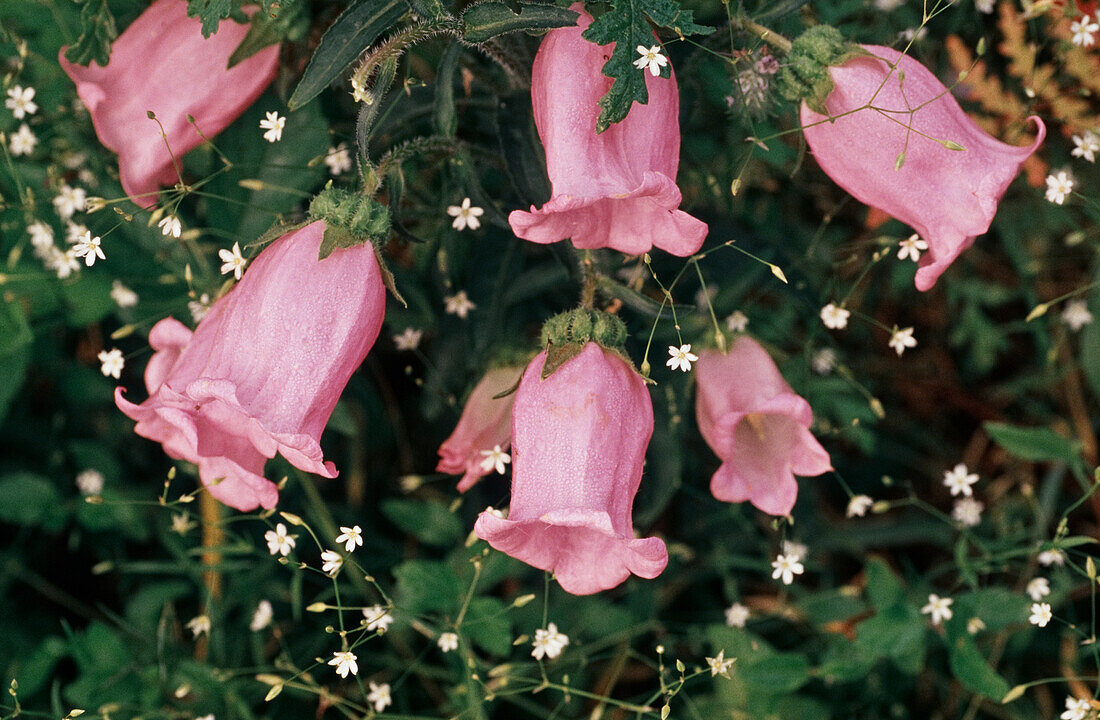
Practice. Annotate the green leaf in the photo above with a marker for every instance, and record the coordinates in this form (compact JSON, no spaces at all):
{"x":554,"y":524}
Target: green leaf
{"x":883,"y":588}
{"x":969,"y":666}
{"x":626,"y":26}
{"x":265,"y":30}
{"x":351,"y":34}
{"x":211,"y":12}
{"x":97,"y":32}
{"x":429,"y":522}
{"x":776,"y":674}
{"x":443,"y":110}
{"x":1037,"y":444}
{"x":427,"y":585}
{"x":27,"y":499}
{"x":488,"y":625}
{"x":487,"y":20}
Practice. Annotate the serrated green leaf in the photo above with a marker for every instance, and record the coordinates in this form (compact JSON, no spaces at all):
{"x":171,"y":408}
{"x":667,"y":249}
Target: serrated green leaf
{"x":1037,"y":444}
{"x":487,"y":20}
{"x":97,"y":32}
{"x":211,"y":12}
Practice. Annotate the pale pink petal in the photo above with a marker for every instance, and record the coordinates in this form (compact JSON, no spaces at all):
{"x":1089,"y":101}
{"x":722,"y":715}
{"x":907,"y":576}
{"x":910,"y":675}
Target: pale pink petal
{"x":485,"y":423}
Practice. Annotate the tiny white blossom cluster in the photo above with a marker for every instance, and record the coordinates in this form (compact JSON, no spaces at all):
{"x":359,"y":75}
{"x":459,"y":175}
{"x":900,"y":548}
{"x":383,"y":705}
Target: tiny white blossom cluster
{"x":548,"y":642}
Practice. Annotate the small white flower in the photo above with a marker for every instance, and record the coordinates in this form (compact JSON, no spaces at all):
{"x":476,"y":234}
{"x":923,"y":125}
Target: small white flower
{"x":1083,"y":30}
{"x":332,"y":562}
{"x":549,"y":642}
{"x":262,"y":617}
{"x":720,"y":665}
{"x":1038,"y":588}
{"x":959,"y":479}
{"x":345,"y":663}
{"x":170,"y":225}
{"x":274,"y":125}
{"x":1076,"y":709}
{"x":901,"y":339}
{"x":823,"y":361}
{"x":90,"y":482}
{"x":199,"y":625}
{"x":74,"y":232}
{"x":69,"y":200}
{"x":182,"y":524}
{"x":1076,"y":314}
{"x":975,"y":625}
{"x":939,"y":608}
{"x":1052,"y":557}
{"x":23,"y":141}
{"x":681,"y":357}
{"x":352,"y":537}
{"x":41,"y":234}
{"x":497,"y":513}
{"x":111,"y":363}
{"x":465,"y":215}
{"x":794,"y":550}
{"x":737,"y":615}
{"x":786,"y":567}
{"x":859,"y":505}
{"x":89,"y":248}
{"x":1059,"y":186}
{"x":968,"y":512}
{"x":409,"y":339}
{"x":1040,"y":614}
{"x":1086,"y":146}
{"x":737,"y":321}
{"x":652,"y":58}
{"x":278,"y":541}
{"x":495,"y":458}
{"x":63,"y":263}
{"x":834,"y":317}
{"x":459,"y":304}
{"x":377,"y":618}
{"x":448,"y":641}
{"x":985,"y":6}
{"x":21,"y":102}
{"x":123,"y":296}
{"x":232,"y":261}
{"x":338,"y":159}
{"x":199,"y":308}
{"x":888,"y":5}
{"x":911,"y":248}
{"x":379,"y":696}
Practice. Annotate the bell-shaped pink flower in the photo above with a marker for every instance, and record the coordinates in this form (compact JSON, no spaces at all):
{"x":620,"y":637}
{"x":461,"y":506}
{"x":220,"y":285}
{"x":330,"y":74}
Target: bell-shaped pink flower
{"x":263,"y":371}
{"x":162,"y":63}
{"x":578,"y":444}
{"x":948,"y":196}
{"x":757,"y":426}
{"x":486,"y":423}
{"x":616,"y":189}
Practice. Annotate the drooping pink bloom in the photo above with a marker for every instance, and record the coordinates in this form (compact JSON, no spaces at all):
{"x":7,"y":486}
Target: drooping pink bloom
{"x":161,"y":62}
{"x":263,"y":371}
{"x":948,"y":196}
{"x":616,"y":189}
{"x":757,"y":426}
{"x":486,"y":422}
{"x":578,"y":443}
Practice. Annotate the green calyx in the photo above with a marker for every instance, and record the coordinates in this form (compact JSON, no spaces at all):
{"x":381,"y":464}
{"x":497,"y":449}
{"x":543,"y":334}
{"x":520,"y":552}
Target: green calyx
{"x":565,"y":335}
{"x":805,"y":74}
{"x":351,"y":219}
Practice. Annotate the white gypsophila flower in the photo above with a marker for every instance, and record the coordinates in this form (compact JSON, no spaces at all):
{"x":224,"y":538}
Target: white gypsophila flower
{"x":939,"y":608}
{"x":1038,"y":588}
{"x":232,"y":261}
{"x":737,"y":615}
{"x":975,"y":625}
{"x":823,"y":361}
{"x":352,"y":537}
{"x":737,"y":321}
{"x":262,"y":617}
{"x":182,"y":523}
{"x":447,"y":642}
{"x":1059,"y":186}
{"x":345,"y":663}
{"x":1040,"y":614}
{"x":901,"y":339}
{"x":858,"y":506}
{"x":651,"y":58}
{"x":834,"y":316}
{"x":719,"y":665}
{"x":794,"y":550}
{"x":332,"y":561}
{"x":1086,"y":146}
{"x":968,"y":512}
{"x":199,"y":625}
{"x":786,"y":567}
{"x":911,"y":248}
{"x":1076,"y":709}
{"x":465,"y":215}
{"x":1083,"y":30}
{"x":111,"y":363}
{"x":959,"y":479}
{"x":409,"y":339}
{"x":90,"y":482}
{"x":278,"y":541}
{"x":338,"y":159}
{"x":63,"y":263}
{"x":1076,"y":314}
{"x":22,"y":142}
{"x":377,"y":618}
{"x":495,"y":458}
{"x":41,"y":234}
{"x":170,"y":225}
{"x":681,"y":357}
{"x":89,"y":247}
{"x":273,"y":124}
{"x":21,"y":102}
{"x":379,"y":696}
{"x":888,"y":5}
{"x":459,"y":304}
{"x":74,"y":232}
{"x":549,"y":642}
{"x":69,"y":200}
{"x":1052,"y":557}
{"x":123,"y":296}
{"x":986,"y":7}
{"x":913,"y":34}
{"x":199,"y":308}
